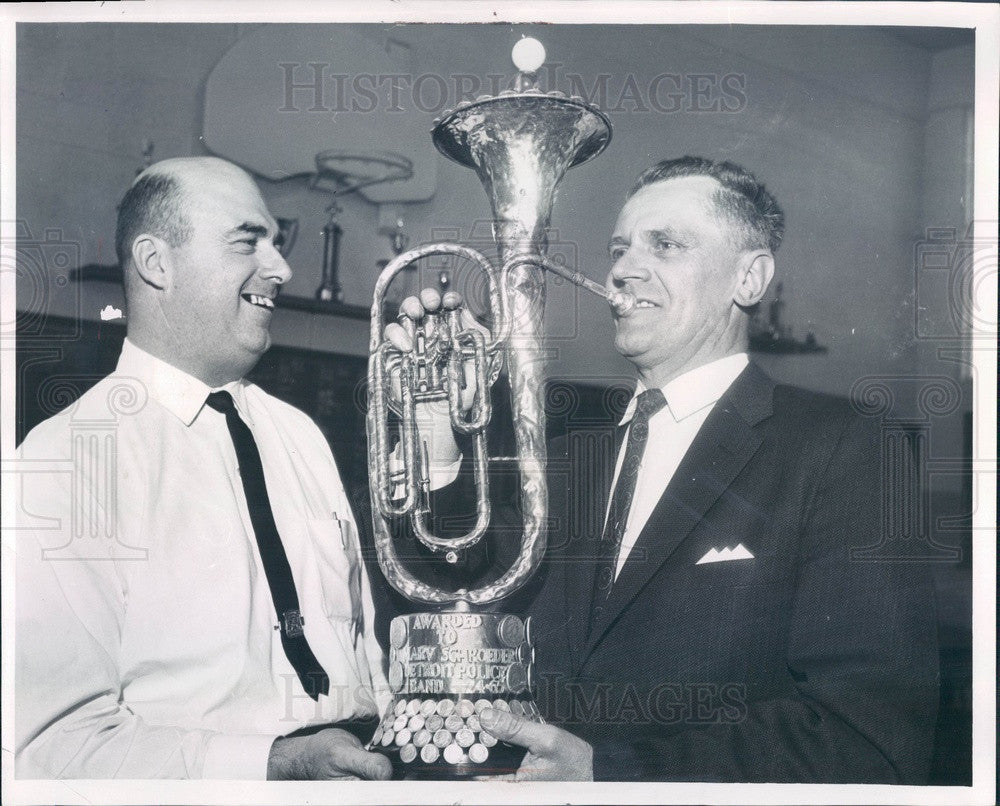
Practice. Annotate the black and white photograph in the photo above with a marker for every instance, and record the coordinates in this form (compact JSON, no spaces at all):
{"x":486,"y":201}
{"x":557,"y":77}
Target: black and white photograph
{"x":499,"y":402}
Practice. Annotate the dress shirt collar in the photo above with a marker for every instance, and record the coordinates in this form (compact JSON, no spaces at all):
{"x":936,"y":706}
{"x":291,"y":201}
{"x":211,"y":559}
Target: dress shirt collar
{"x":181,"y":394}
{"x":695,"y":389}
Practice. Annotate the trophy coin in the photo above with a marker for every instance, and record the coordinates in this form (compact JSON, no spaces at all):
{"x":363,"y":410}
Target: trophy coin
{"x":397,"y":632}
{"x":453,"y":754}
{"x":442,"y":738}
{"x":478,"y":753}
{"x":421,"y":737}
{"x":516,"y":708}
{"x":429,"y":753}
{"x":396,"y":676}
{"x":445,"y":707}
{"x":400,"y":722}
{"x":465,"y":737}
{"x":403,"y":737}
{"x":511,"y":630}
{"x":473,"y":723}
{"x":400,"y":707}
{"x":517,"y":678}
{"x":487,"y":739}
{"x":524,"y":653}
{"x":427,"y":707}
{"x":378,"y":734}
{"x":434,"y":723}
{"x":387,"y":738}
{"x":412,"y":707}
{"x":482,"y":704}
{"x":408,"y":753}
{"x":527,"y":630}
{"x":416,"y":723}
{"x":465,"y":709}
{"x":501,"y":705}
{"x":454,"y":723}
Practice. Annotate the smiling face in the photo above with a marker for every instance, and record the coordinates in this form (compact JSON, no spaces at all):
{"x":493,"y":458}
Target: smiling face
{"x":214,"y":309}
{"x":686,"y":266}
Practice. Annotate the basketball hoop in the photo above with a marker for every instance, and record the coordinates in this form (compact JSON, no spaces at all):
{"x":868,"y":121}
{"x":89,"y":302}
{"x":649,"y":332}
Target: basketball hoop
{"x":343,"y":172}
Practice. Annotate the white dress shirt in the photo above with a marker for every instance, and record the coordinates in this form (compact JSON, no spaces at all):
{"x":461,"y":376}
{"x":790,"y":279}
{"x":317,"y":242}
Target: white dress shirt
{"x":690,"y":399}
{"x":147,"y":642}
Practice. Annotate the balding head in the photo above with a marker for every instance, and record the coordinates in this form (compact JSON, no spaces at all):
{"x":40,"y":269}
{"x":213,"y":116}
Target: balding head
{"x":155,"y":202}
{"x":193,"y":171}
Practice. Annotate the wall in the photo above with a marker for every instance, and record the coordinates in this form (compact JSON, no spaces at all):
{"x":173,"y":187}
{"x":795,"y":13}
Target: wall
{"x":88,"y":95}
{"x":835,"y":121}
{"x":839,"y":147}
{"x":944,"y":324}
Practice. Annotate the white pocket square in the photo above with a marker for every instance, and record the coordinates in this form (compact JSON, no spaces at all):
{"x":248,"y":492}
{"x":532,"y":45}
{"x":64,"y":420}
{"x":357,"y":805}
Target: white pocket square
{"x":741,"y":552}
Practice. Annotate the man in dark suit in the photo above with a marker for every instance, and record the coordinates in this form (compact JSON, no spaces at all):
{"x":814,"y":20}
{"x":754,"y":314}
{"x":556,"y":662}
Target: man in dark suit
{"x":715,"y":625}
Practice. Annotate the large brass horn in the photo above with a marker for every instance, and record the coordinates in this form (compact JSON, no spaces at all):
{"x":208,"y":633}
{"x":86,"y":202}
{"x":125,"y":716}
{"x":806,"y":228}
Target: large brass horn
{"x":520,"y":144}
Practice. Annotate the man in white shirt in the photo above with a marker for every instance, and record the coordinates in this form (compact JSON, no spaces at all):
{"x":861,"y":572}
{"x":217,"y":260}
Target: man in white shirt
{"x":191,"y":600}
{"x":724,"y":624}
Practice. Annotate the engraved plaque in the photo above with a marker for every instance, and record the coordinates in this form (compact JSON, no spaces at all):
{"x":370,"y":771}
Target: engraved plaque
{"x":447,"y":668}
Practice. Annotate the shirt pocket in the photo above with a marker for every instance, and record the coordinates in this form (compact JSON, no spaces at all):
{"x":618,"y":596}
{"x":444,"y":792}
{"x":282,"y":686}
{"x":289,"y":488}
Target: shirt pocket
{"x":338,"y":565}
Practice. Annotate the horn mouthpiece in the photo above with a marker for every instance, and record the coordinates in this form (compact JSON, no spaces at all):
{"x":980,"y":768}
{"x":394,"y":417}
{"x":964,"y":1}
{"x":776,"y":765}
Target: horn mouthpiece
{"x":622,"y":302}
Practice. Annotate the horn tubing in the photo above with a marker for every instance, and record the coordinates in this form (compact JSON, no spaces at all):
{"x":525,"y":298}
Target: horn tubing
{"x":389,"y":562}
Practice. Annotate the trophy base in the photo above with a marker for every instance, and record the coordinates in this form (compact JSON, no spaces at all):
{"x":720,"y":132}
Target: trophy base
{"x":445,"y":670}
{"x":442,"y":739}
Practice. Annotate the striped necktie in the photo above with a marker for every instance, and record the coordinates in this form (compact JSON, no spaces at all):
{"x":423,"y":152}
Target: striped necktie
{"x":647,"y":404}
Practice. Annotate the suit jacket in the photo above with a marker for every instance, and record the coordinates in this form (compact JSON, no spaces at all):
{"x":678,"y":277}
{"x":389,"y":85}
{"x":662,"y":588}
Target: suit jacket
{"x":805,"y":663}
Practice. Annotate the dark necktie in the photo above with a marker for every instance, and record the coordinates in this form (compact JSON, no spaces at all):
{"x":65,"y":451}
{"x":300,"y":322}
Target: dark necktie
{"x":646,"y":405}
{"x":272,"y":552}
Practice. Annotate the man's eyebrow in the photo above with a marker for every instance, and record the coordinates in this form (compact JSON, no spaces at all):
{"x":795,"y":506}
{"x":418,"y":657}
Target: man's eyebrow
{"x":246,"y":228}
{"x":616,"y":240}
{"x":666,"y":232}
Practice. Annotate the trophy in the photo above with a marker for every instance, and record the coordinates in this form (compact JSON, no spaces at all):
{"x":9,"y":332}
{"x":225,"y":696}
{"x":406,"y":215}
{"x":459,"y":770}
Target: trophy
{"x":462,"y":655}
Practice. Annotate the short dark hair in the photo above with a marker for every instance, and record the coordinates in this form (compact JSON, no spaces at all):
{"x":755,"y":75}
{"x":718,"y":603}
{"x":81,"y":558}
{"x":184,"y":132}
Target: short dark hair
{"x":742,"y":198}
{"x":153,"y":205}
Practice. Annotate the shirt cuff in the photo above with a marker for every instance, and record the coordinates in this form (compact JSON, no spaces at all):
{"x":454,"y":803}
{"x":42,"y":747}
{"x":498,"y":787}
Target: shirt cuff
{"x":238,"y":757}
{"x":441,"y":474}
{"x":444,"y":474}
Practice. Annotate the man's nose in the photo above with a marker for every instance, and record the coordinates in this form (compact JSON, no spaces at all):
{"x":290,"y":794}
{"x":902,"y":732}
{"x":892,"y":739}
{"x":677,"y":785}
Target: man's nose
{"x":275,"y":267}
{"x":627,"y":267}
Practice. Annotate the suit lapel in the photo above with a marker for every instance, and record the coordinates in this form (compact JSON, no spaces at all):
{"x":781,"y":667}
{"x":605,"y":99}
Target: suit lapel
{"x":723,"y":446}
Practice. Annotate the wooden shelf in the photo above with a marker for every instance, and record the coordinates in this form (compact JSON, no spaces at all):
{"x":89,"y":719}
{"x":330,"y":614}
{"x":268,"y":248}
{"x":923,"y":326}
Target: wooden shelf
{"x":96,"y":271}
{"x":113,"y":274}
{"x":312,"y":305}
{"x":766,"y":343}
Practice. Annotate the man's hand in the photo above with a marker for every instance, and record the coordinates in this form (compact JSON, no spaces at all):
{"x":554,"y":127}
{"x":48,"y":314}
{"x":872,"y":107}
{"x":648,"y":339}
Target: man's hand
{"x":433,"y":419}
{"x":414,"y":310}
{"x":329,"y":754}
{"x":553,"y":754}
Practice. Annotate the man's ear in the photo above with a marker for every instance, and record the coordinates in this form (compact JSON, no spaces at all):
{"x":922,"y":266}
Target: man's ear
{"x":756,"y":271}
{"x":152,"y":260}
